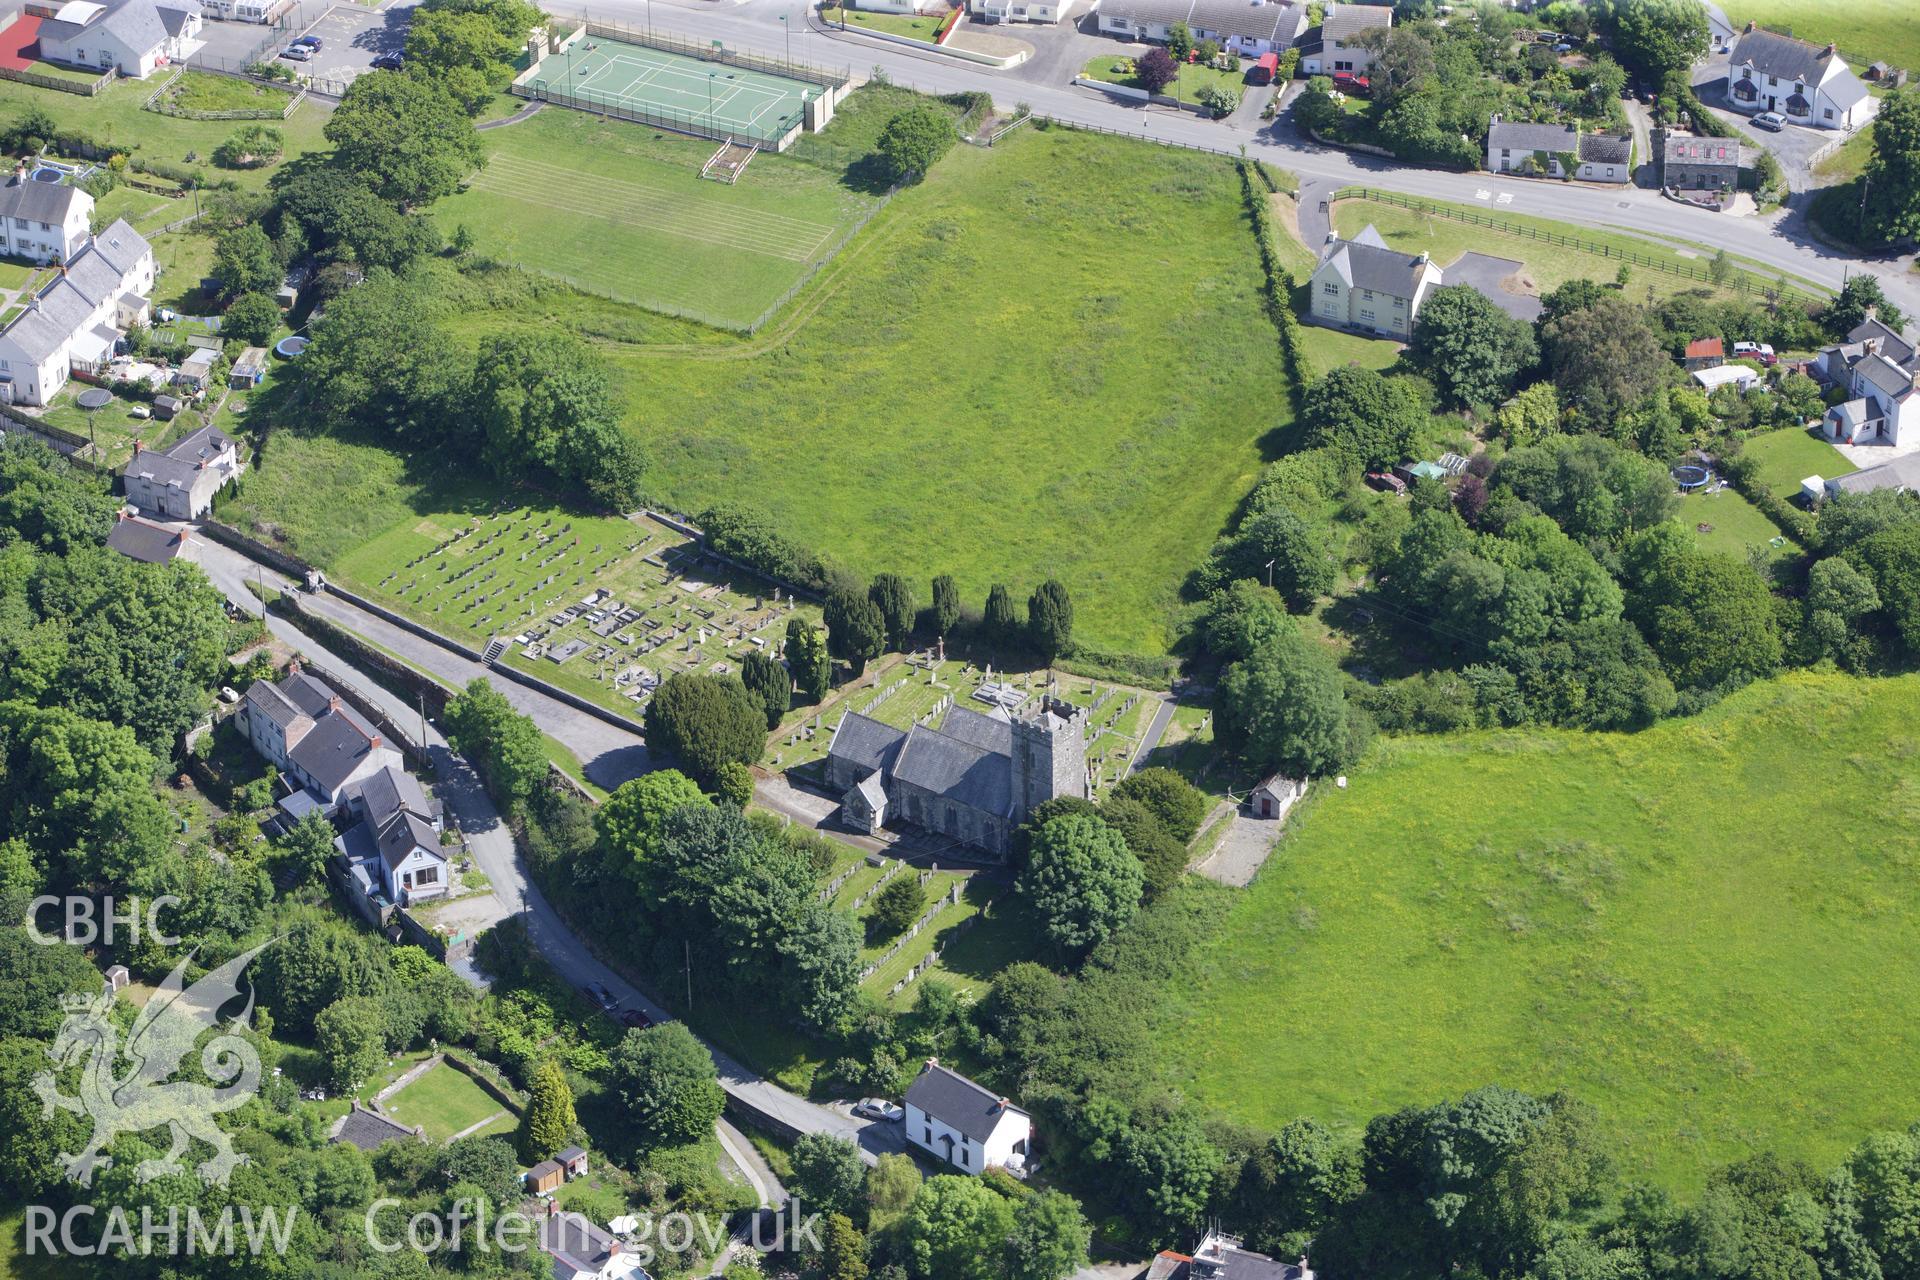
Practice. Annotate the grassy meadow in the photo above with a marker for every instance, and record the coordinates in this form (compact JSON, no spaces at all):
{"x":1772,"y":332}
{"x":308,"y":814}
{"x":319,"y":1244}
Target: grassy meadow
{"x":1048,"y":358}
{"x":1696,"y":929}
{"x":1866,"y":30}
{"x":621,"y":210}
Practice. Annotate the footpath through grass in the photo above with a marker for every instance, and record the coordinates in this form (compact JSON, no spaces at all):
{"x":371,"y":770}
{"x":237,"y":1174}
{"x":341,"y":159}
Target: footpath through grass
{"x":1048,"y":359}
{"x":1695,"y":929}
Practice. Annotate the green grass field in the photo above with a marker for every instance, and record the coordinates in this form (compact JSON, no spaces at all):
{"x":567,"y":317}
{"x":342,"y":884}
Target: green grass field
{"x":1547,"y":265}
{"x":446,"y":1101}
{"x":1739,"y":527}
{"x":116,"y":118}
{"x":1049,"y":358}
{"x":620,"y":210}
{"x":1866,"y":30}
{"x":894,"y":24}
{"x":1791,"y":454}
{"x":1694,"y":928}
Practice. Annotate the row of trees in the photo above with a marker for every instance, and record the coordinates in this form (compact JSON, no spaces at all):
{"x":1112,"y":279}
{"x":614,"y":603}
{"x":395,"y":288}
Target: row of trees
{"x":862,"y":627}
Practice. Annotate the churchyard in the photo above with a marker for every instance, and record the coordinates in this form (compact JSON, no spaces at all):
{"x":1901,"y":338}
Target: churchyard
{"x":918,"y":688}
{"x":601,"y":606}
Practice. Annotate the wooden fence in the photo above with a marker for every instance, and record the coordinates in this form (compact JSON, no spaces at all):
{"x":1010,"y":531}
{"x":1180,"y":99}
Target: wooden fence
{"x":156,"y":100}
{"x":85,"y":88}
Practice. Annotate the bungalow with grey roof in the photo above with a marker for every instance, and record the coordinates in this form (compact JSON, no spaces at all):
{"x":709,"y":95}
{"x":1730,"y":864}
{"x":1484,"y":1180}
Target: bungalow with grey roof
{"x":1363,"y":284}
{"x":1248,"y":28}
{"x":132,"y":36}
{"x":1809,"y":84}
{"x":1342,"y":41}
{"x":1530,"y":150}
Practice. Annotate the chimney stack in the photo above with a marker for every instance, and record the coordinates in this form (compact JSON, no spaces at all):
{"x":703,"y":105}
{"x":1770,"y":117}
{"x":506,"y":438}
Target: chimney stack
{"x":1829,"y":50}
{"x":1751,"y":24}
{"x":333,"y":703}
{"x":373,"y":742}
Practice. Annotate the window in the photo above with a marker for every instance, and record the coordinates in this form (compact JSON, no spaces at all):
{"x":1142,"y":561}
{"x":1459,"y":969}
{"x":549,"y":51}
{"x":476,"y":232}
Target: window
{"x":1330,"y":289}
{"x":430,"y":875}
{"x":1829,"y":113}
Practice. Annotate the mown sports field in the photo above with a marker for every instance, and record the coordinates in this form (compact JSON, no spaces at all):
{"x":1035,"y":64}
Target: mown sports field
{"x":620,"y":210}
{"x":1698,"y":929}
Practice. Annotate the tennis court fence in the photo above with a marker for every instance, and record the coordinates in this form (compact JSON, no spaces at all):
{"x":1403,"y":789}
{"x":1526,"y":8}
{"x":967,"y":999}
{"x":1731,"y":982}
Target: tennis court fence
{"x":777,"y":134}
{"x":713,"y":52}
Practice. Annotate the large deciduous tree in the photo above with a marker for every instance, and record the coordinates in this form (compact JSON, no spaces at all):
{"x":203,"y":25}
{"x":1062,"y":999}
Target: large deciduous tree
{"x":545,"y":400}
{"x":668,"y":1082}
{"x":1471,"y":349}
{"x":1083,"y":881}
{"x":828,"y":1175}
{"x":482,"y":725}
{"x":912,"y":141}
{"x":1654,"y":38}
{"x":1284,"y":709}
{"x":1604,"y":358}
{"x":955,"y":1227}
{"x":1370,"y":420}
{"x":408,"y":139}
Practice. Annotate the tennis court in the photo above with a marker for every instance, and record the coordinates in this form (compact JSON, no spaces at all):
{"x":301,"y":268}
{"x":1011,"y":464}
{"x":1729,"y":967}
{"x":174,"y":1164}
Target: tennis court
{"x":711,"y":99}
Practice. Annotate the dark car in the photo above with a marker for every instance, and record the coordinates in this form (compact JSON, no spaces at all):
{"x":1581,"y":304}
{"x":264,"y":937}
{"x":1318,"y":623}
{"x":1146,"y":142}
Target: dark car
{"x":310,"y":42}
{"x":389,"y":62}
{"x":635,"y":1019}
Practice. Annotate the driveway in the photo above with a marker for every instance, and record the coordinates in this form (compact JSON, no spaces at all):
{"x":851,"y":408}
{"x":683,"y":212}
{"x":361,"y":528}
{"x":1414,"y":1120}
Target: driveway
{"x":1059,"y":51}
{"x":1495,"y":278}
{"x":1795,"y":147}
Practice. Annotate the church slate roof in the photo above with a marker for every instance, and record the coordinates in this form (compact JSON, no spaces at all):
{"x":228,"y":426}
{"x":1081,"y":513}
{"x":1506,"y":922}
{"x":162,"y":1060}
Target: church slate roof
{"x":983,"y":730}
{"x":865,"y":743}
{"x":957,"y":770}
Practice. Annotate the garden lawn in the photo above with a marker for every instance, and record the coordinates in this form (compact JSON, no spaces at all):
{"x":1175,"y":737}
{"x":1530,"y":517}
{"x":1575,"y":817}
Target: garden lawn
{"x":1791,"y":454}
{"x":203,"y":91}
{"x":445,"y":1101}
{"x":621,"y":210}
{"x":116,"y":119}
{"x":1048,"y":359}
{"x":1193,"y":77}
{"x":1547,"y":265}
{"x":1695,"y":929}
{"x":1739,"y":527}
{"x":1866,"y":30}
{"x":1850,"y":161}
{"x":894,"y":24}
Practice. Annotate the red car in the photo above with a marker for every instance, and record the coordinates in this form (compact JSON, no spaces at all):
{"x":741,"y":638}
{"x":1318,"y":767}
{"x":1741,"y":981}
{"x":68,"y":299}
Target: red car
{"x":1349,"y":82}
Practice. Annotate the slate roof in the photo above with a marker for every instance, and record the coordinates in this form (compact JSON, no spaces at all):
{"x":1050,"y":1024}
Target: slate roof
{"x":1514,"y":135}
{"x":1901,"y":473}
{"x":121,"y":246}
{"x":956,"y":769}
{"x":873,"y":789}
{"x":400,"y":837}
{"x":390,"y":791}
{"x":1249,"y":19}
{"x":369,"y":1130}
{"x":141,"y":25}
{"x":182,"y":463}
{"x":311,"y":695}
{"x":1348,"y":20}
{"x":50,"y":202}
{"x":1783,"y":57}
{"x":866,"y":743}
{"x":1165,"y":12}
{"x":147,"y":543}
{"x":271,"y":701}
{"x":574,"y":1243}
{"x":568,"y":1155}
{"x":1604,"y":148}
{"x":1892,"y":345}
{"x":958,"y":1102}
{"x":334,"y":748}
{"x":1885,"y":376}
{"x":1365,"y":262}
{"x":986,"y":731}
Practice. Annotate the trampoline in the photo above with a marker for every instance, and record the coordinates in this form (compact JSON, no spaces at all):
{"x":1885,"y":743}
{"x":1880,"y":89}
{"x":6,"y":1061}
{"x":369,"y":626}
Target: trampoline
{"x":94,"y":398}
{"x":1691,"y":477}
{"x":288,"y":348}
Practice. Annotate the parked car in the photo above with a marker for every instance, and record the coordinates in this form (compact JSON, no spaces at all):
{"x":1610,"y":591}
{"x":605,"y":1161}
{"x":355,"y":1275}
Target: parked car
{"x":1770,"y":120}
{"x":1563,"y":47}
{"x":297,"y":53}
{"x":601,"y":996}
{"x":879,"y":1109}
{"x":635,"y":1019}
{"x":1349,"y":82}
{"x":389,"y":62}
{"x":1755,"y":351}
{"x":311,"y":42}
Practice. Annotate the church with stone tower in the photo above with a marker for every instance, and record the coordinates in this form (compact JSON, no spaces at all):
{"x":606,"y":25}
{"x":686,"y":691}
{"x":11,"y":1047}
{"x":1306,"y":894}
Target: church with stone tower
{"x":973,"y":779}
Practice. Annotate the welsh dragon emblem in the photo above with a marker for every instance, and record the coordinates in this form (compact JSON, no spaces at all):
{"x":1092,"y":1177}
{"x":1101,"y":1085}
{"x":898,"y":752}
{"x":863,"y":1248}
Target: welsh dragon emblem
{"x":139,"y":1097}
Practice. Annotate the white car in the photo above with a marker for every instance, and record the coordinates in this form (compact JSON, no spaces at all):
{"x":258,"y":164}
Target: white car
{"x":1770,"y":120}
{"x":879,"y":1109}
{"x":297,"y":53}
{"x":1754,"y":351}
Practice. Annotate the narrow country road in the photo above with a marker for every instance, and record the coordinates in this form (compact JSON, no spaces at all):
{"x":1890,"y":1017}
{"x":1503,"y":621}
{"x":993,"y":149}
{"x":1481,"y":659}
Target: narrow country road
{"x":1156,"y":728}
{"x":492,"y":846}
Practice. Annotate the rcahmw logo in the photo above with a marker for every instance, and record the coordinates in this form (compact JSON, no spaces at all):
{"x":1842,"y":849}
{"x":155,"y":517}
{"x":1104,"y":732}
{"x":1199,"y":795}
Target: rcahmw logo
{"x":170,"y":1233}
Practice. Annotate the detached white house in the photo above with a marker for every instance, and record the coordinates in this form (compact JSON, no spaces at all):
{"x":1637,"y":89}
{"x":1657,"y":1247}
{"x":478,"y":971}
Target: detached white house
{"x":1880,"y":372}
{"x":1042,"y":11}
{"x":1339,"y":47}
{"x":395,"y":848}
{"x":1363,"y":284}
{"x":132,"y":36}
{"x":180,"y":482}
{"x":42,"y":221}
{"x":969,"y":1127}
{"x":1809,"y":84}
